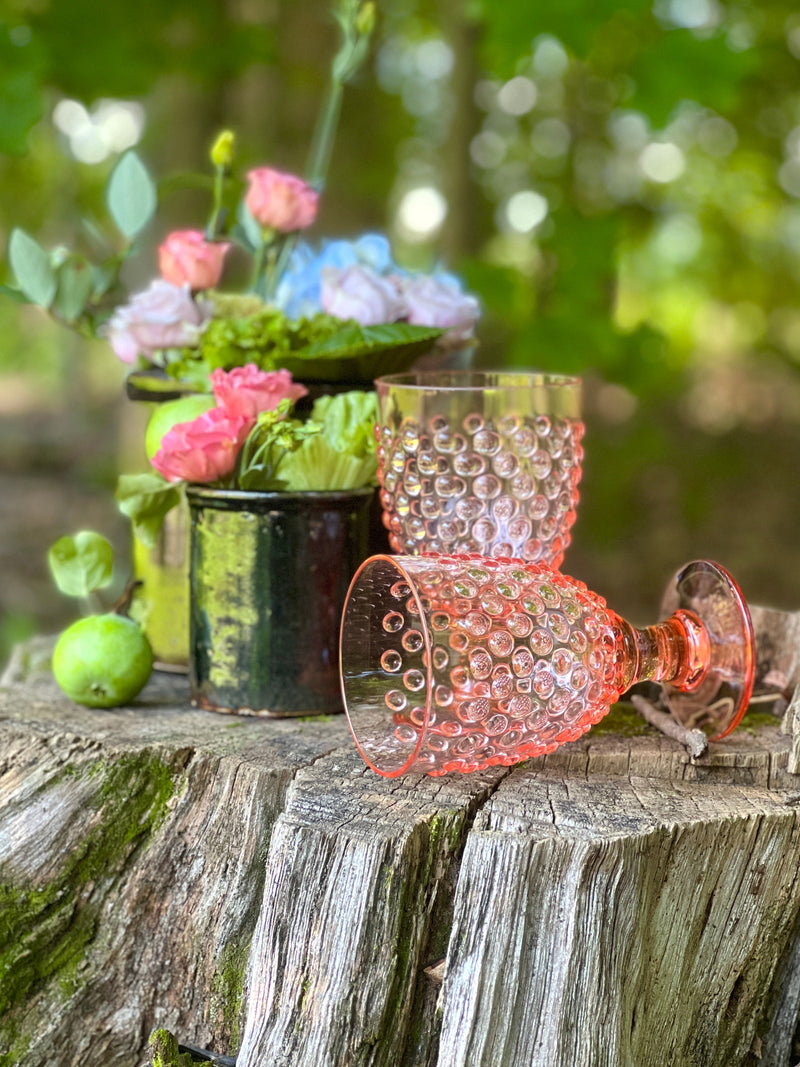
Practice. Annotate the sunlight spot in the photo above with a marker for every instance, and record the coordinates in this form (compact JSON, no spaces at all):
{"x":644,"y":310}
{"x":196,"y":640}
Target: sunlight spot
{"x":434,"y":58}
{"x":550,"y":58}
{"x":678,"y":239}
{"x":694,"y":14}
{"x":717,"y":136}
{"x":517,"y":96}
{"x":629,"y":129}
{"x":789,"y":177}
{"x":421,"y":212}
{"x":111,"y":126}
{"x":662,"y":161}
{"x":525,"y":210}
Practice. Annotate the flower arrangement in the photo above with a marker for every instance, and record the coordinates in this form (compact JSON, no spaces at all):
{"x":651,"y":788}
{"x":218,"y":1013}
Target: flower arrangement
{"x":244,"y":437}
{"x":332,"y":311}
{"x":254,"y":380}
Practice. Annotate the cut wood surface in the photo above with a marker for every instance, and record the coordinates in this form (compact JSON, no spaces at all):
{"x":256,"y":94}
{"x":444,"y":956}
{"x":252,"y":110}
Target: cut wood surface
{"x":252,"y":887}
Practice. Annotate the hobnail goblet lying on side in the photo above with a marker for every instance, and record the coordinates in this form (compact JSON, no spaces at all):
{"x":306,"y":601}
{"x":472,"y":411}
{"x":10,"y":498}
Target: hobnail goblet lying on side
{"x":455,"y":663}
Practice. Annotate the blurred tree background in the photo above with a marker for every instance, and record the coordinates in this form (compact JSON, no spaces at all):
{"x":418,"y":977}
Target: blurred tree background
{"x":618,"y":180}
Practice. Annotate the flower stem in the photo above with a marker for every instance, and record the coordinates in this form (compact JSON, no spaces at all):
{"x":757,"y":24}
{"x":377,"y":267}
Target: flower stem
{"x":219,"y":185}
{"x":319,"y":156}
{"x":356,"y":23}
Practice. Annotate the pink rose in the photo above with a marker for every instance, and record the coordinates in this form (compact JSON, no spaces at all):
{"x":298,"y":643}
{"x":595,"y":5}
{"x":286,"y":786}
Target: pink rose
{"x":359,"y":293}
{"x":280,"y":201}
{"x":204,"y":449}
{"x":186,"y":256}
{"x":248,"y":390}
{"x":163,"y":316}
{"x":437,"y":302}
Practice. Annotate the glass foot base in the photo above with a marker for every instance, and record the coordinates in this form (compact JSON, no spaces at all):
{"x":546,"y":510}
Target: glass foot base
{"x":718,"y":701}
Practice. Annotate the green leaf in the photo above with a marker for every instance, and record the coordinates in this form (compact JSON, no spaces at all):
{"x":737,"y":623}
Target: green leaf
{"x":131,"y":195}
{"x":146,"y":499}
{"x":273,"y":437}
{"x":31,"y":264}
{"x":156,"y":385}
{"x":347,"y":421}
{"x":75,"y":286}
{"x":362,"y":352}
{"x":317,"y":466}
{"x":343,"y":454}
{"x":13,"y":294}
{"x":247,"y":230}
{"x":81,"y":564}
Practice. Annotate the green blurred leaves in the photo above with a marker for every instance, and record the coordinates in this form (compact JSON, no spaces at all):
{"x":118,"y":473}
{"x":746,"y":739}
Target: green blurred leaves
{"x":35,"y":273}
{"x":131,"y":195}
{"x":22,"y":63}
{"x":146,"y":499}
{"x":82,"y":564}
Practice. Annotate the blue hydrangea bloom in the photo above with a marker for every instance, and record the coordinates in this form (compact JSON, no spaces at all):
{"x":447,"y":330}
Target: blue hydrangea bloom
{"x":298,"y":292}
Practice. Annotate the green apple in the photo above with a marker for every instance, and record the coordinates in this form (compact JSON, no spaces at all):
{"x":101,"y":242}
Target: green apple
{"x":102,"y":661}
{"x":170,"y":413}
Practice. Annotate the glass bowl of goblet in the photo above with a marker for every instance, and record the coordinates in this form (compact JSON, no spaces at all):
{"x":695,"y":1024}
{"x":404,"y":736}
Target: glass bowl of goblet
{"x":456,"y":663}
{"x":479,"y":461}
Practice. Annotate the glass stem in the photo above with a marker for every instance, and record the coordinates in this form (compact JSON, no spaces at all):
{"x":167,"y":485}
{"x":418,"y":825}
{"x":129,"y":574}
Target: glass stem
{"x":675,"y":651}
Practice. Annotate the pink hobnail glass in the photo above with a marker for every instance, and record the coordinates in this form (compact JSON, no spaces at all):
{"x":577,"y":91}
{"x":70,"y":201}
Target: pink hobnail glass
{"x":455,"y":663}
{"x":485,"y":462}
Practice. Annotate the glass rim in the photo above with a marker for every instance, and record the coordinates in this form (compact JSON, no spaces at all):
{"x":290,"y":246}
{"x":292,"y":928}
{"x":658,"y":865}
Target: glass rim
{"x":470,"y":380}
{"x":382,"y":558}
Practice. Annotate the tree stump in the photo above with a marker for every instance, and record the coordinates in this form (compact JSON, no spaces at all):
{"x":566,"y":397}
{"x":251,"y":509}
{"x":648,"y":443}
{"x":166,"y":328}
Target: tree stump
{"x":254,"y":889}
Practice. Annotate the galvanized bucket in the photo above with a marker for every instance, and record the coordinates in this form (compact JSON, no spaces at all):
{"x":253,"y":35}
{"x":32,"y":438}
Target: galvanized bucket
{"x":267,"y":582}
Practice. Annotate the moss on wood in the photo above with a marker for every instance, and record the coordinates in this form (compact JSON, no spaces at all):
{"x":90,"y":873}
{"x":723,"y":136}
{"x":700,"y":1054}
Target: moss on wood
{"x":46,"y":930}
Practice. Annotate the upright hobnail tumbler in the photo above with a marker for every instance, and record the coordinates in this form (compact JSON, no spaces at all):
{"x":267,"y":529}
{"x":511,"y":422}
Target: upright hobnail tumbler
{"x":484,"y":462}
{"x":455,"y":663}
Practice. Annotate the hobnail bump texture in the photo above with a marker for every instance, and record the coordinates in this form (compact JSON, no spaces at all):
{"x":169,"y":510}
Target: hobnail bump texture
{"x":456,"y":664}
{"x":489,"y":465}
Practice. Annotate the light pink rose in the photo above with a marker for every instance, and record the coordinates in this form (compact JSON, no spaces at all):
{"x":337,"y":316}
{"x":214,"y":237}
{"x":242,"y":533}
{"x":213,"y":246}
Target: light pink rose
{"x":248,"y":390}
{"x":163,"y":316}
{"x":186,"y":256}
{"x":279,"y":201}
{"x":359,"y":293}
{"x":435,"y":302}
{"x":204,"y":449}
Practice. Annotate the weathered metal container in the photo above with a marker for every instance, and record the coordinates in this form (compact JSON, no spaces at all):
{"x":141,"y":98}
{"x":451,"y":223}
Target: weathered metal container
{"x":268,"y":577}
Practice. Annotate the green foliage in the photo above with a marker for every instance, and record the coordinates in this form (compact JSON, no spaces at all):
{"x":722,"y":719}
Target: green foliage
{"x":244,"y":330}
{"x":145,"y":499}
{"x":22,"y":104}
{"x":131,"y":195}
{"x":343,"y":454}
{"x":82,"y":564}
{"x":272,"y":439}
{"x":66,"y":283}
{"x":673,"y":289}
{"x":76,"y":280}
{"x":355,"y":351}
{"x":264,"y":336}
{"x":35,"y":273}
{"x":165,"y":1052}
{"x":348,"y":421}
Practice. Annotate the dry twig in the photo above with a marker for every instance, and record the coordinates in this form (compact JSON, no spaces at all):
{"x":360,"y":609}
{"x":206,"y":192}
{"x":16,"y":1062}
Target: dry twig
{"x":695,"y":741}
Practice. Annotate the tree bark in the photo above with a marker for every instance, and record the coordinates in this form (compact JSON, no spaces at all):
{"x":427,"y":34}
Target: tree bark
{"x":253,"y":888}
